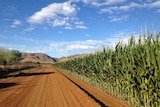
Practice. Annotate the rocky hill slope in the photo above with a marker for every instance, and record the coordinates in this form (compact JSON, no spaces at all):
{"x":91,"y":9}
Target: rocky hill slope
{"x":36,"y":57}
{"x":71,"y":57}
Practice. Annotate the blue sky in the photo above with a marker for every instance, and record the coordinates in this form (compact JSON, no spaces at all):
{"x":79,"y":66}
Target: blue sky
{"x":66,"y":27}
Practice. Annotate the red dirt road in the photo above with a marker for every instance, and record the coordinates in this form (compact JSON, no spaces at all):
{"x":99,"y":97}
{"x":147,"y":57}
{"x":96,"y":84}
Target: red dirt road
{"x":49,"y":87}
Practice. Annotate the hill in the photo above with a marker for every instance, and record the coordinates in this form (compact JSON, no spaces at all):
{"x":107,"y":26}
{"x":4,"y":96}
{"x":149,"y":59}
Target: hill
{"x":71,"y":57}
{"x":36,"y":57}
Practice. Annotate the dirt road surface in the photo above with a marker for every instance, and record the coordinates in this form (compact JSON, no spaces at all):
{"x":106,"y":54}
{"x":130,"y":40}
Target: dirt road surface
{"x":48,"y":87}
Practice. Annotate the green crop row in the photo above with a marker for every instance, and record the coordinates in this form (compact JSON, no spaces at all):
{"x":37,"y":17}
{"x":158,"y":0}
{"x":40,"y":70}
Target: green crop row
{"x":131,"y":71}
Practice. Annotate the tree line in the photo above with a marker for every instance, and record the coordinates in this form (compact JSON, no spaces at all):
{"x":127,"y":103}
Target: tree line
{"x":9,"y":57}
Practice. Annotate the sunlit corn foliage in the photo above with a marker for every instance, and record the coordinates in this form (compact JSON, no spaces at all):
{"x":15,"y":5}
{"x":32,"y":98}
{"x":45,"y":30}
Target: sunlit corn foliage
{"x":130,"y":72}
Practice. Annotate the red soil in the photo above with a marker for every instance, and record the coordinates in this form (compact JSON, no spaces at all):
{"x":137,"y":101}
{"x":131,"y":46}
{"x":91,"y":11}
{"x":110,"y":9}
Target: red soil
{"x":49,"y":87}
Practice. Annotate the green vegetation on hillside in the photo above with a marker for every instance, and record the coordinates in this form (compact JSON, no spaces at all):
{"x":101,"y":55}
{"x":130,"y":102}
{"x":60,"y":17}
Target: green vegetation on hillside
{"x":9,"y":63}
{"x":9,"y":57}
{"x":130,"y":72}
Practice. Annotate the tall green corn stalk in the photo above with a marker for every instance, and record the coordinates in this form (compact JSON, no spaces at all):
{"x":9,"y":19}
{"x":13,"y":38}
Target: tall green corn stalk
{"x":131,"y":72}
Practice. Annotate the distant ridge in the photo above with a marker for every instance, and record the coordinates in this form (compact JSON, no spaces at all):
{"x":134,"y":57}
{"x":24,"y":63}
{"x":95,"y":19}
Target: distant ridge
{"x":36,"y":57}
{"x":71,"y":57}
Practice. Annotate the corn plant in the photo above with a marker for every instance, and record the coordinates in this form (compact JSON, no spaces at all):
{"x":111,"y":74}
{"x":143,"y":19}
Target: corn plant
{"x":130,"y":72}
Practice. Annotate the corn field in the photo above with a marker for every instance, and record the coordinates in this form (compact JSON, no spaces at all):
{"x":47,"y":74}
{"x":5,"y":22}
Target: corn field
{"x":130,"y":72}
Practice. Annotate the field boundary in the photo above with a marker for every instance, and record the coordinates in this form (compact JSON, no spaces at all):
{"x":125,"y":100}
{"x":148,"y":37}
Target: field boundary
{"x":102,"y":98}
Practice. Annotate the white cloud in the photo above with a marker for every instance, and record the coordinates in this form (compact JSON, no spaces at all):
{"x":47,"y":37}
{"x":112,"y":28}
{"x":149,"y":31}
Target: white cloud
{"x":84,"y":1}
{"x":106,"y":10}
{"x":79,"y":23}
{"x":58,"y":14}
{"x":81,"y":27}
{"x":107,"y":2}
{"x":59,"y":49}
{"x":68,"y":26}
{"x":155,"y":4}
{"x":118,"y":18}
{"x":78,"y":46}
{"x":53,"y":11}
{"x":98,"y":3}
{"x":16,"y":23}
{"x":130,"y":6}
{"x":59,"y":22}
{"x":67,"y":47}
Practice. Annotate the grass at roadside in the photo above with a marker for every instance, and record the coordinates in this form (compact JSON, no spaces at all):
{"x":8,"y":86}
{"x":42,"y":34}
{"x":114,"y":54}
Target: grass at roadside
{"x":11,"y":70}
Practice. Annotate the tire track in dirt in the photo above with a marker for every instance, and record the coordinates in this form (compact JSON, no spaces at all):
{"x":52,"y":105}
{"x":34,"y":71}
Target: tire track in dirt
{"x":49,"y":87}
